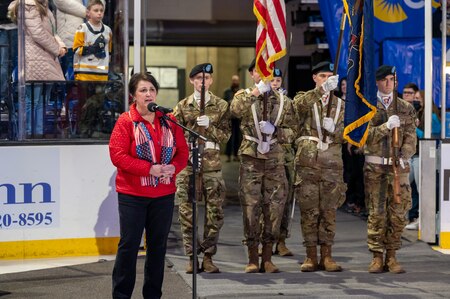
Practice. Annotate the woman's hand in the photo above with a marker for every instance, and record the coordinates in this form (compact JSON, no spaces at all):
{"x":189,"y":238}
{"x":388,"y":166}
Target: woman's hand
{"x":62,"y":51}
{"x":159,"y":170}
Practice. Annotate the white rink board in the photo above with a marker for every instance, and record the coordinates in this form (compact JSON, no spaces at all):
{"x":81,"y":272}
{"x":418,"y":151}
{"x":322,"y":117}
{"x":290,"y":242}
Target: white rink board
{"x":82,"y":202}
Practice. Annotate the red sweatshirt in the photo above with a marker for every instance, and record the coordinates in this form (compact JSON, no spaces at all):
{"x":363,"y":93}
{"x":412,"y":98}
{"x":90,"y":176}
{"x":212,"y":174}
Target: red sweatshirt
{"x":122,"y":149}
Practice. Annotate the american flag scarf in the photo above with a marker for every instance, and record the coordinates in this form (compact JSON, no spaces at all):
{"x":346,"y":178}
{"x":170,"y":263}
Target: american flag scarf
{"x":145,"y":149}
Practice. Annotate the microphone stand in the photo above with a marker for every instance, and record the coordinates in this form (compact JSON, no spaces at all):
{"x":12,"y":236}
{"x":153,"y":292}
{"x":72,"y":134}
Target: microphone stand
{"x":193,"y":137}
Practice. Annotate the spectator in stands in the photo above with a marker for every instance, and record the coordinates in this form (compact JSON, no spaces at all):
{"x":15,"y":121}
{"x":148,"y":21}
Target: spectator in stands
{"x":148,"y":151}
{"x":42,"y":50}
{"x":92,"y":45}
{"x":70,"y":14}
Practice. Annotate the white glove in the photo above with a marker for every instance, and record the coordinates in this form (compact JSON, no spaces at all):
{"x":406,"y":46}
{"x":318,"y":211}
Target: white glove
{"x":203,"y":121}
{"x":266,"y":127}
{"x":328,"y":124}
{"x":393,"y":122}
{"x":263,"y":87}
{"x":331,"y":83}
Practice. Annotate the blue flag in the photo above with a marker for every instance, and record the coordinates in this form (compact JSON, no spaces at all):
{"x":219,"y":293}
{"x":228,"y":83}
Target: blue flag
{"x":361,"y":98}
{"x":392,"y":19}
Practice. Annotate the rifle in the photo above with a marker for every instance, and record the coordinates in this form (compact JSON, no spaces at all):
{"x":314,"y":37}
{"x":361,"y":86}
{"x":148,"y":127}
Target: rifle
{"x":201,"y":146}
{"x":396,"y":149}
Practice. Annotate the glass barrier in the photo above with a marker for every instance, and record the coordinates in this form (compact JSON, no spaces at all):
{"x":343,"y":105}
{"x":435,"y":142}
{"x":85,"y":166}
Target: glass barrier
{"x":65,"y":109}
{"x":69,"y":109}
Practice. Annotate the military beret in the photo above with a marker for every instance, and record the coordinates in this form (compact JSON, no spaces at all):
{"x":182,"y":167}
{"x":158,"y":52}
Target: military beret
{"x":252,"y":65}
{"x":383,"y":71}
{"x":324,"y":66}
{"x":277,"y":73}
{"x":207,"y":67}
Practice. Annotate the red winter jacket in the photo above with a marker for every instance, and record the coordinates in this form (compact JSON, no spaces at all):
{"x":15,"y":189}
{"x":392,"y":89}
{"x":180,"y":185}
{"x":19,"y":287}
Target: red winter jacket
{"x":122,"y":149}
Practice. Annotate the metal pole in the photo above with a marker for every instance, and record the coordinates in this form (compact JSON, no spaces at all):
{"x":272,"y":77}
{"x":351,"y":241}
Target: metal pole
{"x":126,"y":53}
{"x":21,"y":134}
{"x":428,"y":68}
{"x":137,"y":36}
{"x":443,"y":71}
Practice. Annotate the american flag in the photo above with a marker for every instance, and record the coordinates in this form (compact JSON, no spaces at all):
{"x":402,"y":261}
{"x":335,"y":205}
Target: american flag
{"x":145,"y":150}
{"x":270,"y":35}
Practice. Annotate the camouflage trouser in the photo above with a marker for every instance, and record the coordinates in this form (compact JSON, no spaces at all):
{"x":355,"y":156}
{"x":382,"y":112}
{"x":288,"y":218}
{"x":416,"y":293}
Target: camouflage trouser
{"x":386,"y":219}
{"x":214,"y":193}
{"x":319,"y":193}
{"x":290,"y":173}
{"x":263,"y":186}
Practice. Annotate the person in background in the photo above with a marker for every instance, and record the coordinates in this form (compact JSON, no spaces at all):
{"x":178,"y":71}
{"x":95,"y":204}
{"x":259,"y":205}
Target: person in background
{"x":319,"y":185}
{"x":70,"y":14}
{"x":262,"y":176}
{"x":409,"y":92}
{"x":235,"y":140}
{"x":280,"y":246}
{"x":342,"y":92}
{"x":92,"y":45}
{"x":43,"y":48}
{"x":148,"y":151}
{"x":216,"y":122}
{"x":353,"y":158}
{"x":418,"y":103}
{"x":387,"y":219}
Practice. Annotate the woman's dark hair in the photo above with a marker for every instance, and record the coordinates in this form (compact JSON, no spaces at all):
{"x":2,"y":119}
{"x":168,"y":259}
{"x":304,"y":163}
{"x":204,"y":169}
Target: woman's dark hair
{"x":136,"y":78}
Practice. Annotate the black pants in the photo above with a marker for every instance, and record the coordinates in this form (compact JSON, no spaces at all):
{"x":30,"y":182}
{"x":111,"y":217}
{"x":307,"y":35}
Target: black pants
{"x":137,"y":213}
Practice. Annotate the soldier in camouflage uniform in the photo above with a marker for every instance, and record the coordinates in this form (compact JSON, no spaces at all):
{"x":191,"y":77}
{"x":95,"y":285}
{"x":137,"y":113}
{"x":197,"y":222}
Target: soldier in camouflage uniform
{"x":387,"y":219}
{"x":217,"y":130}
{"x":263,"y":183}
{"x":280,"y":247}
{"x":319,"y":185}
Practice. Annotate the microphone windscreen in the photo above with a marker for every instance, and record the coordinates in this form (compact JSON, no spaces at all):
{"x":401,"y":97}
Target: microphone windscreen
{"x":152,"y":107}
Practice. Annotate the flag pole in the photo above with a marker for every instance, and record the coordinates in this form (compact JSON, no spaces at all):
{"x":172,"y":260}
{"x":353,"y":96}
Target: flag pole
{"x":336,"y":65}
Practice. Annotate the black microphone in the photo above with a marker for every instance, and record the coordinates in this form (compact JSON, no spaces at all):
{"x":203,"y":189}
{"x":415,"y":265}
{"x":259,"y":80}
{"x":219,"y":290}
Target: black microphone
{"x":153,"y":107}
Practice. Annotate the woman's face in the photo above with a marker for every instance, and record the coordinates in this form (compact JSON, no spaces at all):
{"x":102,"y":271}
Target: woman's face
{"x":144,"y":95}
{"x":344,"y":86}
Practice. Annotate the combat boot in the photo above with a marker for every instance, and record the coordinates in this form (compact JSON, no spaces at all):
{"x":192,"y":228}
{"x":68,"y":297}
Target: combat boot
{"x":252,"y":266}
{"x":208,"y":265}
{"x":281,"y":248}
{"x":326,"y":261}
{"x":310,"y":262}
{"x":391,"y":263}
{"x":376,"y":266}
{"x":190,"y":266}
{"x":266,"y":264}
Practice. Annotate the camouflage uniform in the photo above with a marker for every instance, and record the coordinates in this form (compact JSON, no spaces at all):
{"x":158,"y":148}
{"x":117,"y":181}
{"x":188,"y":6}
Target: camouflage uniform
{"x":263,"y":183}
{"x":218,"y":132}
{"x":386,"y":219}
{"x":319,"y":185}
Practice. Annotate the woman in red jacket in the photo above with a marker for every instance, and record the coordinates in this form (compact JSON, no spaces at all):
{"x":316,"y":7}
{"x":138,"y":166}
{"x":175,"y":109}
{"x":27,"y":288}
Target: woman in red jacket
{"x":148,"y":152}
